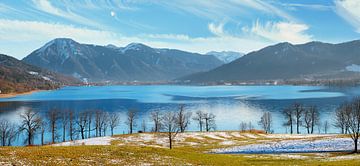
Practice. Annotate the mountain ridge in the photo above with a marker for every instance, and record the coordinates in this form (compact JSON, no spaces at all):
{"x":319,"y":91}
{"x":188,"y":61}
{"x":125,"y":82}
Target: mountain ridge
{"x":282,"y":61}
{"x":134,"y":62}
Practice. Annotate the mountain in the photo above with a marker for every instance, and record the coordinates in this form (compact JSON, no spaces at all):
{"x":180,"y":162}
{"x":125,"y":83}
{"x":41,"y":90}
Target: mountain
{"x":135,"y":62}
{"x":17,"y":76}
{"x":226,"y":56}
{"x":310,"y":61}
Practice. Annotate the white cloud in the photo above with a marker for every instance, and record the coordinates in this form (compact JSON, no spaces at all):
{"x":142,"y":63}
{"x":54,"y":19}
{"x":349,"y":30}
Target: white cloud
{"x":31,"y":35}
{"x":281,"y":31}
{"x":350,"y":11}
{"x":217,"y":30}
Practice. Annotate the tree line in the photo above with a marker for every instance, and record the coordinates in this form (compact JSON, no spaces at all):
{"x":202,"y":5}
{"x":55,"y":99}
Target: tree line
{"x":346,"y":118}
{"x":68,"y":125}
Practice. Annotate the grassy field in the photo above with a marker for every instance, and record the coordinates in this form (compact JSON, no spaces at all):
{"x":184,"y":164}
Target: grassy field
{"x":151,"y":149}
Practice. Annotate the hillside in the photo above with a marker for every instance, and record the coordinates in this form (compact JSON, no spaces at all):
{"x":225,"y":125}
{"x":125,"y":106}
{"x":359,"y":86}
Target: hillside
{"x":17,"y":77}
{"x":135,"y":62}
{"x":310,"y":61}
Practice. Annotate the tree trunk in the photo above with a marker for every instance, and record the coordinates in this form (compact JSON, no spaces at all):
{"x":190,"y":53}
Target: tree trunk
{"x":29,"y":140}
{"x":3,"y":139}
{"x":356,"y":145}
{"x":89,"y":127}
{"x":170,"y":141}
{"x":131,"y":129}
{"x":64,"y":128}
{"x":312,"y":127}
{"x":297,"y":127}
{"x":82,"y":133}
{"x":42,"y":138}
{"x":112,"y":131}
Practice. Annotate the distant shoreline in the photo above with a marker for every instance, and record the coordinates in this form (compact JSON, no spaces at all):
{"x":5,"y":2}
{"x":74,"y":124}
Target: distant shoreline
{"x":10,"y":95}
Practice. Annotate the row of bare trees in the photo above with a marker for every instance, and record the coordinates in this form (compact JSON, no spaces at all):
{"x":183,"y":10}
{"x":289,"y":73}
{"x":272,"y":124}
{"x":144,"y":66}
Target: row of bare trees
{"x":300,"y":115}
{"x":173,"y":122}
{"x":67,"y":125}
{"x":60,"y":124}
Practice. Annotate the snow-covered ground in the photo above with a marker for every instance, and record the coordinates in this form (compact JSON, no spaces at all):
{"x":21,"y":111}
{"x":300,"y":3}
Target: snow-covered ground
{"x":90,"y":141}
{"x":232,"y":142}
{"x":293,"y":146}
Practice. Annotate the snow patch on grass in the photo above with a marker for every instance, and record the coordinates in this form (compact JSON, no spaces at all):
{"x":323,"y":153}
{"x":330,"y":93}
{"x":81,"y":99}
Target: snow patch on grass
{"x":90,"y":141}
{"x":293,"y":146}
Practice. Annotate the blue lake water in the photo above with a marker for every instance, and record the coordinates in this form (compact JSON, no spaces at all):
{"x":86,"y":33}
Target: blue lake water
{"x":230,"y":104}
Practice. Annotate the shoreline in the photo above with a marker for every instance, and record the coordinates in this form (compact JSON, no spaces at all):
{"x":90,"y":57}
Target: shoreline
{"x":11,"y":95}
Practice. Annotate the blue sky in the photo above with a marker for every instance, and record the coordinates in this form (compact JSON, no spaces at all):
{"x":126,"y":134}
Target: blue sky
{"x":191,"y":25}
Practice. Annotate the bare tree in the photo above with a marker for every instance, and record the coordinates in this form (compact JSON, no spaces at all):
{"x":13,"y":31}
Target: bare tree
{"x":209,"y":119}
{"x":155,"y":117}
{"x":250,"y":126}
{"x":288,"y":114}
{"x":42,"y":131}
{"x":341,"y":117}
{"x":353,"y":121}
{"x":170,"y":126}
{"x":307,"y":120}
{"x":315,"y":117}
{"x":311,"y":118}
{"x":104,"y":123}
{"x":53,"y":116}
{"x":266,"y":122}
{"x":8,"y":132}
{"x":243,"y":126}
{"x":199,"y":118}
{"x":298,"y":112}
{"x":13,"y":133}
{"x":183,"y":118}
{"x":64,"y":123}
{"x":82,"y":121}
{"x":143,"y":125}
{"x":130,"y":121}
{"x":4,"y":131}
{"x":90,"y":117}
{"x":114,"y":122}
{"x":326,"y":126}
{"x":98,"y":116}
{"x":30,"y":123}
{"x":71,"y":124}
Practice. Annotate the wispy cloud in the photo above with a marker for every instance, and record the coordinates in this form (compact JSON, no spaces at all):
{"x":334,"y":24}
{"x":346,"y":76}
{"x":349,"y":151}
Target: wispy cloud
{"x":281,"y":31}
{"x":296,"y":6}
{"x":47,"y":7}
{"x":16,"y":32}
{"x":218,"y":10}
{"x":350,"y":11}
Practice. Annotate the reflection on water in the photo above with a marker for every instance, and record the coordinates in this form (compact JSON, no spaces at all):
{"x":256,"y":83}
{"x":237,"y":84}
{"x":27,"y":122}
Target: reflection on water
{"x":231,"y":104}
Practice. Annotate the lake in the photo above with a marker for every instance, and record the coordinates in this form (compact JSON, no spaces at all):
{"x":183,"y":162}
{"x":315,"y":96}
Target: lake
{"x":230,"y":104}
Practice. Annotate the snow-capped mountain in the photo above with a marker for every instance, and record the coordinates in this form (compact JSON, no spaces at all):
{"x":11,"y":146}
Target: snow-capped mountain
{"x":226,"y":56}
{"x":134,"y":62}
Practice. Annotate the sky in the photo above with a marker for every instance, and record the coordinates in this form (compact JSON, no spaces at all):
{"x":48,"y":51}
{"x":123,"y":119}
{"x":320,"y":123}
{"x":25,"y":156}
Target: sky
{"x":191,"y":25}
